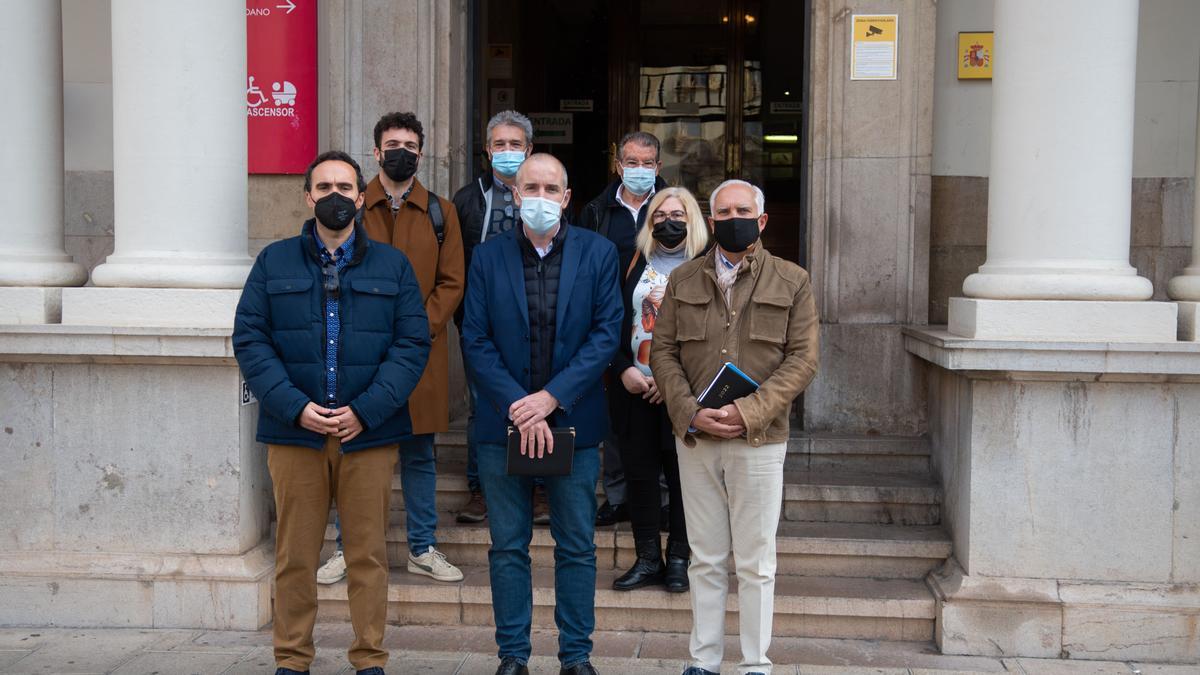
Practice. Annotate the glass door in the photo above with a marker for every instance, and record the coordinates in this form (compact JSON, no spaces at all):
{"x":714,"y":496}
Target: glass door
{"x":720,"y":82}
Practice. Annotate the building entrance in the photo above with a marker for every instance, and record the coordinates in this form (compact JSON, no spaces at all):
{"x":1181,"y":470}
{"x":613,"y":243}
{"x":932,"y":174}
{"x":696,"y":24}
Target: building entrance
{"x":721,"y":82}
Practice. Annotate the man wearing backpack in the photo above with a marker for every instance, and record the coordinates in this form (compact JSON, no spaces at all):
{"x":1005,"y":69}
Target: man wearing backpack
{"x":398,"y":210}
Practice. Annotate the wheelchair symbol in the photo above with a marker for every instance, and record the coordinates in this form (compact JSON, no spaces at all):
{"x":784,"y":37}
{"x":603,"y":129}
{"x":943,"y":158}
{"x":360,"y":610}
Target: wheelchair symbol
{"x":252,"y":91}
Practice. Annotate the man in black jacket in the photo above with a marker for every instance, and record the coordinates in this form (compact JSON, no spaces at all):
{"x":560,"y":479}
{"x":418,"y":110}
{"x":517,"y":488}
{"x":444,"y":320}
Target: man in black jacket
{"x":486,"y":209}
{"x":617,"y":214}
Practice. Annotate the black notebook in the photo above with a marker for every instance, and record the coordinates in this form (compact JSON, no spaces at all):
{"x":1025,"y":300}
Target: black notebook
{"x":557,"y":463}
{"x":729,"y":384}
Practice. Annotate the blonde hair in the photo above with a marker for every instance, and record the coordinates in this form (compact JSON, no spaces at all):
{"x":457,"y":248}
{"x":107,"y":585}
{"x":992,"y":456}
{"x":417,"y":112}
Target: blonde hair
{"x":697,"y":232}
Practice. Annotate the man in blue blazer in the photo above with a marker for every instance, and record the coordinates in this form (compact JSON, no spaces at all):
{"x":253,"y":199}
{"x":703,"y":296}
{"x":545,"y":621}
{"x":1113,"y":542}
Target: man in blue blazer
{"x":331,"y":336}
{"x":541,"y":322}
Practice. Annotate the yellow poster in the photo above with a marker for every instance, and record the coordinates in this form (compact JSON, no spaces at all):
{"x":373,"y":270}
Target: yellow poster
{"x":975,"y":56}
{"x":873,"y":47}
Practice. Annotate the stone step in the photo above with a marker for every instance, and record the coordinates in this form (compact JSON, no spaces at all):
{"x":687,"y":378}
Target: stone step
{"x":907,"y":455}
{"x":860,"y":497}
{"x":803,"y":549}
{"x":838,"y":496}
{"x":827,"y":607}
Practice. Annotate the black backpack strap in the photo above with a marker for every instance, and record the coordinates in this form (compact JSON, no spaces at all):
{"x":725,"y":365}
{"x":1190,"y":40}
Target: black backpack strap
{"x":437,"y":218}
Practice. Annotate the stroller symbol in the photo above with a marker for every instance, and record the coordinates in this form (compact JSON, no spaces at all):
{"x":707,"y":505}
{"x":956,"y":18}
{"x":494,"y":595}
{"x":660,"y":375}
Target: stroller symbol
{"x":284,"y":94}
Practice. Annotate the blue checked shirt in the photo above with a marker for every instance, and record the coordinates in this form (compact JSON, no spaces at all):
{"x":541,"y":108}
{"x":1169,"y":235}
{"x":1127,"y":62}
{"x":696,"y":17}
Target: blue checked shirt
{"x":333,"y":318}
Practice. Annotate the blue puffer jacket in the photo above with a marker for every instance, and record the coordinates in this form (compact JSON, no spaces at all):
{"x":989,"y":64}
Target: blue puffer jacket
{"x":279,"y":339}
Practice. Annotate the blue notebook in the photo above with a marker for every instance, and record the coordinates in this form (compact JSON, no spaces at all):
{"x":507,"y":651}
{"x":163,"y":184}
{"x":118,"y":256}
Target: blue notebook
{"x":729,"y":384}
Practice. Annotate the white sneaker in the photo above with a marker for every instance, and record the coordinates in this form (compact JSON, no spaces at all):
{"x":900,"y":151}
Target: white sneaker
{"x":432,"y":563}
{"x":333,"y":571}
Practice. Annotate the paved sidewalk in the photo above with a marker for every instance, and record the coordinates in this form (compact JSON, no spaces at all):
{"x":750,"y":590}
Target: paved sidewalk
{"x":435,"y":650}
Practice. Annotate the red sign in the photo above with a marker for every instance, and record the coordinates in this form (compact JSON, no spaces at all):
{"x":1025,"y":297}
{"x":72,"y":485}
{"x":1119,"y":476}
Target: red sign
{"x":281,"y":84}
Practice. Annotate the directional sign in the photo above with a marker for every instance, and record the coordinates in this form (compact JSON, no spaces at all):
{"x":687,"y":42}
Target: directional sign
{"x":281,"y":84}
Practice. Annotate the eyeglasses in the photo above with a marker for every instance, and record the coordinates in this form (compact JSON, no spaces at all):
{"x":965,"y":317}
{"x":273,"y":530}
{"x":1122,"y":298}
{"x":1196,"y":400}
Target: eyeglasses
{"x":332,"y":284}
{"x":633,"y":163}
{"x":660,"y":216}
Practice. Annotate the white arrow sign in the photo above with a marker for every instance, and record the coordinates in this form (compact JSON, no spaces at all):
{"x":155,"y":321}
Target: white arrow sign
{"x":289,"y":6}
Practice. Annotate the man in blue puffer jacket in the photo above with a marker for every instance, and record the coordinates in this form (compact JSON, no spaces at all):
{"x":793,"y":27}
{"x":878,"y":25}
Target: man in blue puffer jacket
{"x":331,"y":335}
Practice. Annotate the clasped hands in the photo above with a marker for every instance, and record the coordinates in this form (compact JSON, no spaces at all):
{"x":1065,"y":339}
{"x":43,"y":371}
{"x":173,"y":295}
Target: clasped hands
{"x":529,"y":415}
{"x":341,"y":422}
{"x":638,"y":383}
{"x":723,"y":422}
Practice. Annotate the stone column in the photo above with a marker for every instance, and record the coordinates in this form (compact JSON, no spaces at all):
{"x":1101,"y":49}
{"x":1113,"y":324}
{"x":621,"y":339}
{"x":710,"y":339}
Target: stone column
{"x":1061,"y":170}
{"x":1186,"y":287}
{"x":179,"y":167}
{"x":31,"y":164}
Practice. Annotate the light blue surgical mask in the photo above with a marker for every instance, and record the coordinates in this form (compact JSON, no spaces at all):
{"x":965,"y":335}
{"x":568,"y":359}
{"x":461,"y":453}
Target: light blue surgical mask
{"x":540,"y":215}
{"x":638,"y":180}
{"x":506,"y":162}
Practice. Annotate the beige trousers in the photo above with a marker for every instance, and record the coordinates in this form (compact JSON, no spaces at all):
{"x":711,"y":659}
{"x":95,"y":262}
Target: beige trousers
{"x":732,"y":496}
{"x":305,"y":480}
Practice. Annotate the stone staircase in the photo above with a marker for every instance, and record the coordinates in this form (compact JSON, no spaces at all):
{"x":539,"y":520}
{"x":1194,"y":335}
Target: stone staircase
{"x":860,"y":531}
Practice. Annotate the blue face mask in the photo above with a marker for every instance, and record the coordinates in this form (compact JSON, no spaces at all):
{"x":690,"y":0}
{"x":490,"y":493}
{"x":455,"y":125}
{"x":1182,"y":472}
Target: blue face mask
{"x":638,"y":180}
{"x":540,"y":215}
{"x":507,"y":162}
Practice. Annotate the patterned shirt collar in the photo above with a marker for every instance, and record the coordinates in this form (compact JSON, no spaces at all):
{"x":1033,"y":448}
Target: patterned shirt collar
{"x":344,"y":252}
{"x":397,"y":203}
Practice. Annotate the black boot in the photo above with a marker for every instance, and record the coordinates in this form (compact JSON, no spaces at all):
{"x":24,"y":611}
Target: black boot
{"x":647,"y":570}
{"x":678,"y":559}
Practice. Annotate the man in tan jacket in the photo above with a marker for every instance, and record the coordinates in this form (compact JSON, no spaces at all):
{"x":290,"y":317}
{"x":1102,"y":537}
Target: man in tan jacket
{"x":399,"y":211}
{"x":742,"y":305}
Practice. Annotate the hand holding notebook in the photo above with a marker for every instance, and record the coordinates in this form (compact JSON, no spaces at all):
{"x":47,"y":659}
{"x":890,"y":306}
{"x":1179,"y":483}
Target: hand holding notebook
{"x":524,"y":461}
{"x":729,"y":384}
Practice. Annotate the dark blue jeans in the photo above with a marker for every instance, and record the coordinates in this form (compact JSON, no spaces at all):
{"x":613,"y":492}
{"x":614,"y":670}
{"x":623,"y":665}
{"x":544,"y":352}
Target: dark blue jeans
{"x":418,"y":477}
{"x":572,"y":523}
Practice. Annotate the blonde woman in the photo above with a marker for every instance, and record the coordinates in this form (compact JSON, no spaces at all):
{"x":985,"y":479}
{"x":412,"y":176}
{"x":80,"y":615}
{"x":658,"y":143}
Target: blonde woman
{"x":674,"y":232}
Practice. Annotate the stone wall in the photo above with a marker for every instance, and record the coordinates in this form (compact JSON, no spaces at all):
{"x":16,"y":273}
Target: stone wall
{"x":1161,"y":239}
{"x":1069,"y":475}
{"x":869,"y":222}
{"x":123,"y":437}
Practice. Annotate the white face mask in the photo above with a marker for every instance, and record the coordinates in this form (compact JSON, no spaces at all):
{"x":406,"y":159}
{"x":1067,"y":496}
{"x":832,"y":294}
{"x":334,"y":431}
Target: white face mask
{"x":540,"y":215}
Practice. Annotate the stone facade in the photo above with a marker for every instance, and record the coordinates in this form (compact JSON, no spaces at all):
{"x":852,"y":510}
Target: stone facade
{"x":1070,"y":476}
{"x":1161,"y":221}
{"x":869,"y":189}
{"x":135,"y":494}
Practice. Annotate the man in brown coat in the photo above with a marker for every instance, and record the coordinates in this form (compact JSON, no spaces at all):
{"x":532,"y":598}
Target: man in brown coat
{"x":742,"y":305}
{"x":398,"y":210}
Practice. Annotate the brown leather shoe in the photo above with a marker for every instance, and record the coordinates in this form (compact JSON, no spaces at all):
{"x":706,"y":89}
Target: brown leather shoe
{"x":474,"y":511}
{"x":541,"y":506}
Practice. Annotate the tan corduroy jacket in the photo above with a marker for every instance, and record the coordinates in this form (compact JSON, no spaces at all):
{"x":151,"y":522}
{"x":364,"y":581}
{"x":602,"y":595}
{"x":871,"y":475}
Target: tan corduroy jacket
{"x":441,"y":275}
{"x":770,"y":333}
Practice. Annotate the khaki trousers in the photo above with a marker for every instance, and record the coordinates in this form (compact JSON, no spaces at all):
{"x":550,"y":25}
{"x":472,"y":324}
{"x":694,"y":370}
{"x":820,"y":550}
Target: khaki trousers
{"x":305,"y":481}
{"x":732,"y":496}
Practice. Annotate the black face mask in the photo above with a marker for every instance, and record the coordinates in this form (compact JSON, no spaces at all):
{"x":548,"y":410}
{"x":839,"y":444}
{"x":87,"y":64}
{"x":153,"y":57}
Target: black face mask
{"x":335,"y":211}
{"x":399,"y":164}
{"x":670,"y":233}
{"x":736,"y":234}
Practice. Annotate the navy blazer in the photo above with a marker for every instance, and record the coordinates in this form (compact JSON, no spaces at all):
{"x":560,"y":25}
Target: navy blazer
{"x":279,"y":339}
{"x":587,"y":323}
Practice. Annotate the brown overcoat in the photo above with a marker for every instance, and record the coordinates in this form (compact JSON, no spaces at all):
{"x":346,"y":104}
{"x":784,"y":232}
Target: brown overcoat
{"x":440,"y":273}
